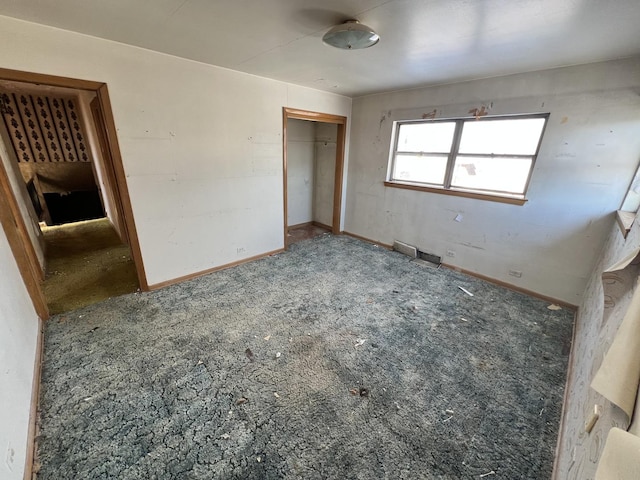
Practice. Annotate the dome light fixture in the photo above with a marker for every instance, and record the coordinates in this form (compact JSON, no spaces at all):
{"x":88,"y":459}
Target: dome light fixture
{"x":351,"y":35}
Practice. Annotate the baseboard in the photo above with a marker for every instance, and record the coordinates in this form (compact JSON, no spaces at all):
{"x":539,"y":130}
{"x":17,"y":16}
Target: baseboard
{"x":299,"y":225}
{"x":368,"y":240}
{"x":166,"y":283}
{"x":515,"y":288}
{"x":308,"y":224}
{"x":322,"y":225}
{"x":481,"y":277}
{"x":565,"y":398}
{"x":29,"y":472}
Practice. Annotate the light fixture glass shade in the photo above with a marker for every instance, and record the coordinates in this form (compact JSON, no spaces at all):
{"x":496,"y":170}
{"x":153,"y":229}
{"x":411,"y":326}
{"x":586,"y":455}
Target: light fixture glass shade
{"x":351,"y":35}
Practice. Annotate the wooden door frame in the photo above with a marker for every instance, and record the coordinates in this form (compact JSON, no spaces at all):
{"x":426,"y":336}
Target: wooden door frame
{"x":341,"y":122}
{"x":12,"y":221}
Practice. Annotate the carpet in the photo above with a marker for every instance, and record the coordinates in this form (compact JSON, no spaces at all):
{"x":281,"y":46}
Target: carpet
{"x":336,"y":359}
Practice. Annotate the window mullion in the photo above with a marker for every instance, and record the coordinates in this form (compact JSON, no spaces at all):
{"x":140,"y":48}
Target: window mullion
{"x":452,"y":154}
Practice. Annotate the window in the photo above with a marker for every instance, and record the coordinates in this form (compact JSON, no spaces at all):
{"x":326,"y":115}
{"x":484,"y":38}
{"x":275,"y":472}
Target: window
{"x":488,"y":157}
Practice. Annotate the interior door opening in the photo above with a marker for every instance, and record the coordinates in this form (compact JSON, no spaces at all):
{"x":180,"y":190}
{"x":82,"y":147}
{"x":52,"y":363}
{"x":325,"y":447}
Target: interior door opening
{"x":70,"y":223}
{"x":313,"y":173}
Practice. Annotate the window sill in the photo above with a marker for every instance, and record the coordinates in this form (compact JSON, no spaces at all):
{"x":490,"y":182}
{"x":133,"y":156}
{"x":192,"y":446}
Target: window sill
{"x":458,"y":193}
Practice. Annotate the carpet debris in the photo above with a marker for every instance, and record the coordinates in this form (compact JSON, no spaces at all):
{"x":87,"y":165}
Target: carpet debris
{"x":364,"y":392}
{"x":267,"y":338}
{"x":359,"y":342}
{"x":554,"y":307}
{"x":278,"y":354}
{"x":487,"y":474}
{"x":466,"y":291}
{"x":225,"y":436}
{"x":275,"y":394}
{"x":241,"y":401}
{"x":354,"y":391}
{"x":249,"y":354}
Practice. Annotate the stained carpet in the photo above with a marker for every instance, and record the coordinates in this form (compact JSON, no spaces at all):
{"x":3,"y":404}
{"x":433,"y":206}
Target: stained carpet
{"x":333,"y":360}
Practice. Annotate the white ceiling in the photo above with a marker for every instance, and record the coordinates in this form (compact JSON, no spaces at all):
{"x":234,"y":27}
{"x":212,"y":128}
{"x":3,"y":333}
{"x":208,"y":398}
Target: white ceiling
{"x":422,"y":41}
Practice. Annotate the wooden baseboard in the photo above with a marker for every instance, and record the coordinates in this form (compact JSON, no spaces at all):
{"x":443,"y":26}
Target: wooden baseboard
{"x":308,"y":224}
{"x":481,"y":277}
{"x":368,"y":240}
{"x":157,"y":286}
{"x":322,"y":225}
{"x":565,"y":398}
{"x":29,"y":472}
{"x":299,"y":225}
{"x":515,"y":288}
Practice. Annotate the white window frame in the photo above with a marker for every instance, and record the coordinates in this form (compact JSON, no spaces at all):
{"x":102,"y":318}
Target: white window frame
{"x":446,"y":187}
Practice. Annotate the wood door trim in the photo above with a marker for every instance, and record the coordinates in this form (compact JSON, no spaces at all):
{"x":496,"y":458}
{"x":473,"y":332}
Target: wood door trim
{"x":21,"y":245}
{"x":33,"y":411}
{"x":341,"y":122}
{"x":12,"y":222}
{"x":120,"y":189}
{"x":48,"y":80}
{"x":297,"y":114}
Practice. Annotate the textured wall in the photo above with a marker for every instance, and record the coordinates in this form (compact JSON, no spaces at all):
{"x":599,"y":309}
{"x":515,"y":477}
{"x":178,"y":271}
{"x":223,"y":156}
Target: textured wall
{"x":605,"y":302}
{"x":588,"y":157}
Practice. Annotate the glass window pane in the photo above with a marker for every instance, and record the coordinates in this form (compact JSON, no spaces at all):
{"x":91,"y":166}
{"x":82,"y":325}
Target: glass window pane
{"x":515,"y":137}
{"x":420,"y":168}
{"x":500,"y":174}
{"x":426,"y":137}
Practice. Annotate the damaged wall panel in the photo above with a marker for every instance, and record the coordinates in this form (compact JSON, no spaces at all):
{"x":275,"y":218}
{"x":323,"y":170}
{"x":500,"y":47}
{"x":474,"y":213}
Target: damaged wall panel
{"x":606,"y":301}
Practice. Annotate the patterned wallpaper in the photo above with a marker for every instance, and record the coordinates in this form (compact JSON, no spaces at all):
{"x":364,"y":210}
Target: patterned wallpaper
{"x":44,"y":128}
{"x":605,"y":302}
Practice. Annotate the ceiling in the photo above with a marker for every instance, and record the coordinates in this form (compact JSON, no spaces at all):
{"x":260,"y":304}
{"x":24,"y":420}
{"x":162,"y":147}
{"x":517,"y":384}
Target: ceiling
{"x":422,"y":42}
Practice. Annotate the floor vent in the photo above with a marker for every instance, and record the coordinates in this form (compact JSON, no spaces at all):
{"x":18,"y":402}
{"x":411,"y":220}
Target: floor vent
{"x":429,"y":259}
{"x":405,"y":248}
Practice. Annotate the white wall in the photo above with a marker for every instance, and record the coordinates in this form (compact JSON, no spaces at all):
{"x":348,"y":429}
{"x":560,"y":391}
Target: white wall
{"x":326,"y":136}
{"x":19,"y":332}
{"x":300,"y":171}
{"x":201,"y":145}
{"x":588,"y":157}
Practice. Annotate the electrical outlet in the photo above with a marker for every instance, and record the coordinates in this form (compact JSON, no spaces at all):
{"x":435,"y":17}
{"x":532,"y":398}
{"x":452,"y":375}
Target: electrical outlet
{"x":515,"y":273}
{"x":451,"y":253}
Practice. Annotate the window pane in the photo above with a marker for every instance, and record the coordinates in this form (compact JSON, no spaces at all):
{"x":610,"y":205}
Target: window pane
{"x":515,"y":137}
{"x":500,"y":174}
{"x":420,"y":168}
{"x":426,"y":137}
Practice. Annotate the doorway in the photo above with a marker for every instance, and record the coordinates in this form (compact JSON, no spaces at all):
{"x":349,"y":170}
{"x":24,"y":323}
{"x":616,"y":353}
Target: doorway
{"x":69,"y":220}
{"x":313,"y":162}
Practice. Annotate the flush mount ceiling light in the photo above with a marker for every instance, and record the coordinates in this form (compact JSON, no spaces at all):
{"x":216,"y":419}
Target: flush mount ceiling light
{"x":351,"y":35}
